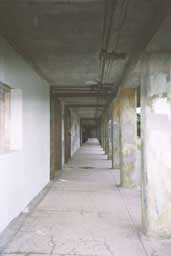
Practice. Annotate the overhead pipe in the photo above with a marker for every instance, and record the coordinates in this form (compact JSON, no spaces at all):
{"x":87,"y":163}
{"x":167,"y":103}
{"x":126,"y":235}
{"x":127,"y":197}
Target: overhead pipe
{"x":110,"y":5}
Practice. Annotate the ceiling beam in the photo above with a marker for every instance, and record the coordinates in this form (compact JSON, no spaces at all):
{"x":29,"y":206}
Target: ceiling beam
{"x":77,"y":94}
{"x":81,"y":86}
{"x":82,"y":90}
{"x":87,"y":118}
{"x":44,"y":3}
{"x":136,"y":55}
{"x":159,"y":13}
{"x":145,"y":36}
{"x":85,"y":106}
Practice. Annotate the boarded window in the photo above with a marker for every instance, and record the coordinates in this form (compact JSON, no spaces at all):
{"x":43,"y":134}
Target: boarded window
{"x":5,"y":99}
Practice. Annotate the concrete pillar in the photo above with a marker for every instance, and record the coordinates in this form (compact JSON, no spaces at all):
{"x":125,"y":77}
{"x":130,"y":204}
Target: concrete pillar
{"x":56,"y":138}
{"x":128,"y":136}
{"x":62,"y":134}
{"x":156,"y":144}
{"x":110,"y":139}
{"x":81,"y":134}
{"x":115,"y":126}
{"x":110,"y":136}
{"x":98,"y":129}
{"x":110,"y":133}
{"x":107,"y":135}
{"x":53,"y":136}
{"x":103,"y":133}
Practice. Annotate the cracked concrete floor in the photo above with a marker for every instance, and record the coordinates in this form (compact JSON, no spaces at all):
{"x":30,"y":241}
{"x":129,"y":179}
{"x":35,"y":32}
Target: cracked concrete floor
{"x":85,"y":213}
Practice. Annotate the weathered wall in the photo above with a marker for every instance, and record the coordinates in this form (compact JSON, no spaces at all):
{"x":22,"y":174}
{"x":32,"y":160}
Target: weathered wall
{"x":24,"y":172}
{"x":75,"y":132}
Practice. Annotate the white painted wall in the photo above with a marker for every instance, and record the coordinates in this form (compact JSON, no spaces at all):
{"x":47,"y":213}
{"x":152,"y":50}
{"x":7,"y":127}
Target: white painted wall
{"x":24,"y":172}
{"x":75,"y":132}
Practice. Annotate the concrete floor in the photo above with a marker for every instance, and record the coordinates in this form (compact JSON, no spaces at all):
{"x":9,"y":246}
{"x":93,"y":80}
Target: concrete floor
{"x":85,"y":213}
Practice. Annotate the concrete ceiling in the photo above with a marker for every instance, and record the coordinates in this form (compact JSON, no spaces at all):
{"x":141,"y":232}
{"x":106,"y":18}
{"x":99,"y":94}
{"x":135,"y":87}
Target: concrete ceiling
{"x":62,"y":39}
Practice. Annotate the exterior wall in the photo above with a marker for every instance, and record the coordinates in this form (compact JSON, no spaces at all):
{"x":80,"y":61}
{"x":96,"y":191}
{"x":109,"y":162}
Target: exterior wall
{"x":25,"y":171}
{"x":75,"y":132}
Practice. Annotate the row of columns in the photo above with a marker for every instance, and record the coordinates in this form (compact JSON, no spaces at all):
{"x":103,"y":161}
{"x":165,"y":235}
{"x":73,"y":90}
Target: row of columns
{"x":156,"y":142}
{"x":119,"y":136}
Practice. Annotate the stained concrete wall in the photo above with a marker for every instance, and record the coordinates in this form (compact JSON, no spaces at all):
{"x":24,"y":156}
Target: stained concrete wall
{"x":75,"y":132}
{"x":25,"y":171}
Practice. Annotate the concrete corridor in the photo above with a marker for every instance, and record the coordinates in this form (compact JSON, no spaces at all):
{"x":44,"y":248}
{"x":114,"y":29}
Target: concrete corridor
{"x":85,"y":212}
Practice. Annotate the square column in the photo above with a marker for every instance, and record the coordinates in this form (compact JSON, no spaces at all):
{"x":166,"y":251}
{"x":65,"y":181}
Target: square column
{"x":107,"y":148}
{"x":105,"y":134}
{"x":110,"y":140}
{"x":115,"y":126}
{"x":102,"y":135}
{"x":156,"y":142}
{"x":128,"y":137}
{"x":110,"y":133}
{"x":101,"y":132}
